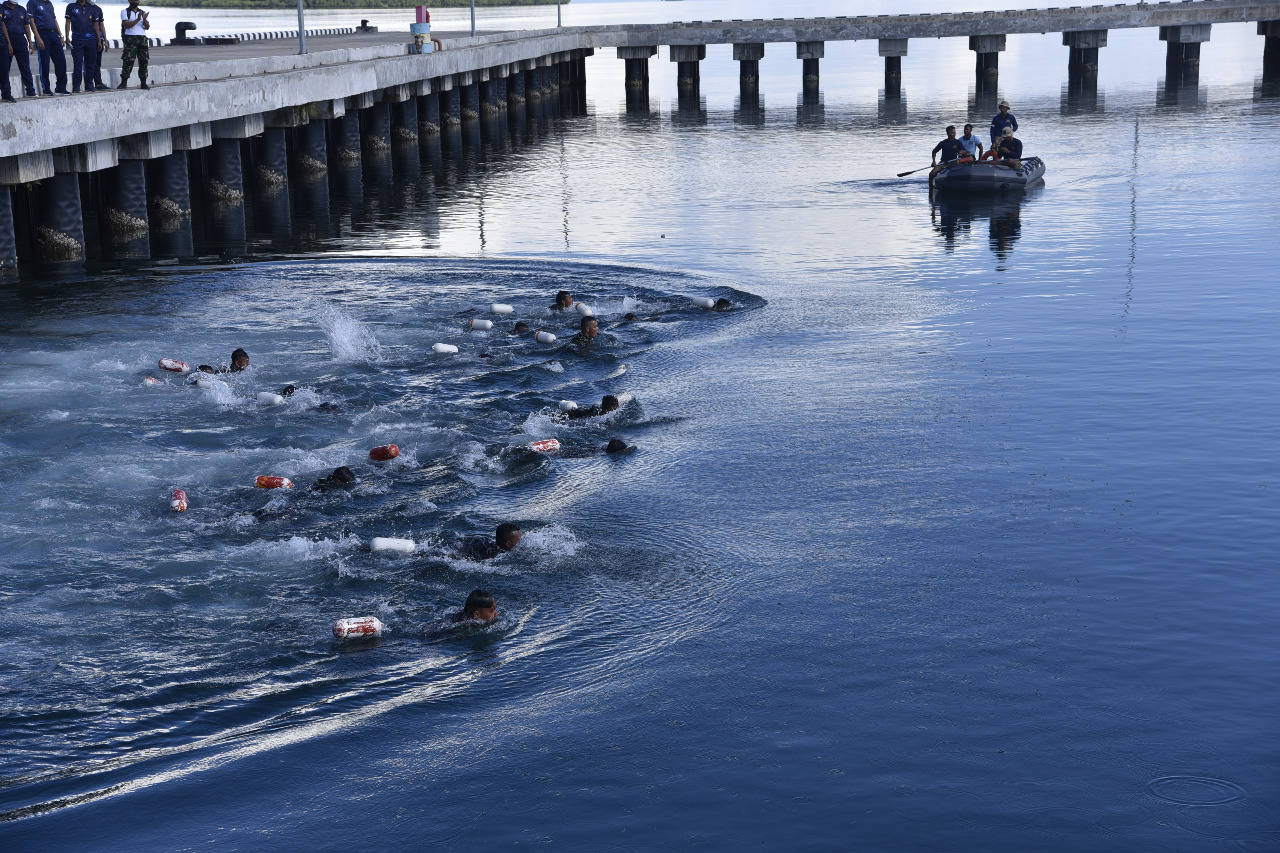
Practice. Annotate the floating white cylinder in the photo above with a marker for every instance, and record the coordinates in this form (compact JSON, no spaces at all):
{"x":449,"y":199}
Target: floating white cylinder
{"x":482,"y":325}
{"x":704,"y":302}
{"x":269,"y":399}
{"x":567,"y":405}
{"x":387,"y":543}
{"x":358,"y":628}
{"x":583,"y":308}
{"x":443,"y":348}
{"x":544,"y":338}
{"x":500,"y":308}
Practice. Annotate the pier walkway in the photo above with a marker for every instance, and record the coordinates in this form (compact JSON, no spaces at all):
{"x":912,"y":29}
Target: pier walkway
{"x":214,"y":107}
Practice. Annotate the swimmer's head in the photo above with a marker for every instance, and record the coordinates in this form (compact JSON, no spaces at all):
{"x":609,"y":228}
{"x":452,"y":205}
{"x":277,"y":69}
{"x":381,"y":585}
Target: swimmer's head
{"x":723,"y":303}
{"x":508,"y":535}
{"x":239,"y":360}
{"x":480,"y":606}
{"x":205,"y":368}
{"x":520,"y":328}
{"x":590,"y":327}
{"x":287,"y":391}
{"x":564,"y":299}
{"x":609,"y":403}
{"x":342,"y":476}
{"x":617,"y":445}
{"x":630,"y":317}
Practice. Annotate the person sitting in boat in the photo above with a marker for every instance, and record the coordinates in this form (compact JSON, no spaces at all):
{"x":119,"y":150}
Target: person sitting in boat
{"x":1002,"y":119}
{"x":971,"y":143}
{"x":950,"y":149}
{"x":1010,"y":149}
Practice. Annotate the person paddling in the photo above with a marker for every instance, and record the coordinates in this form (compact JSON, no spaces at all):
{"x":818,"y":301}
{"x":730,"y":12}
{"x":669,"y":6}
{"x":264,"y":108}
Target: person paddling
{"x":950,"y":148}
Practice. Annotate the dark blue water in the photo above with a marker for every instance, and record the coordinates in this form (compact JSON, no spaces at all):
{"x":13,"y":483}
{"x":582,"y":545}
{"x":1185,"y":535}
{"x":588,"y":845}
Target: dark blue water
{"x":957,"y":532}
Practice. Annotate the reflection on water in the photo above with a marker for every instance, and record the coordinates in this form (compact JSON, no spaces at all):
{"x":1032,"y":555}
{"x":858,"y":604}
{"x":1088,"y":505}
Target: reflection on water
{"x":954,"y":214}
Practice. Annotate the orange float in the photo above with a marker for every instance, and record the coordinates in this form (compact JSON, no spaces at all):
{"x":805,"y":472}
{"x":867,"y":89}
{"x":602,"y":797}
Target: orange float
{"x":546,"y":445}
{"x":178,"y":501}
{"x":384,"y":452}
{"x":265,"y":482}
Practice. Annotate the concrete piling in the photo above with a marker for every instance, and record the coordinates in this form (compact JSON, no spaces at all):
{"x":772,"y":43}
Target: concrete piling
{"x":1270,"y":51}
{"x":404,"y":121}
{"x":893,"y":50}
{"x":59,"y":231}
{"x":516,"y":87}
{"x":344,"y":139}
{"x":748,"y":56}
{"x":811,"y":53}
{"x":987,"y":50}
{"x":1182,"y":52}
{"x":272,"y":159}
{"x":429,"y":115}
{"x":471,"y":100}
{"x":124,"y":213}
{"x":1082,"y":64}
{"x":169,"y":190}
{"x":375,"y":129}
{"x":8,"y":237}
{"x":311,"y":148}
{"x":451,"y":108}
{"x":224,"y":181}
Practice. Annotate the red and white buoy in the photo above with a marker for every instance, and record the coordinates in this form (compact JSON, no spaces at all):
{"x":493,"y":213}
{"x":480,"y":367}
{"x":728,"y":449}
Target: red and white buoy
{"x":265,"y":482}
{"x":150,"y":380}
{"x":384,"y":452}
{"x":174,"y":366}
{"x":358,"y":628}
{"x":178,"y":501}
{"x":545,"y":445}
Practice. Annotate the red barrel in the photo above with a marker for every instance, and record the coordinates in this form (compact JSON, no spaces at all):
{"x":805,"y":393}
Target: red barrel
{"x":546,"y":445}
{"x":384,"y":452}
{"x":178,"y":501}
{"x":358,"y":628}
{"x":265,"y":482}
{"x":174,"y":366}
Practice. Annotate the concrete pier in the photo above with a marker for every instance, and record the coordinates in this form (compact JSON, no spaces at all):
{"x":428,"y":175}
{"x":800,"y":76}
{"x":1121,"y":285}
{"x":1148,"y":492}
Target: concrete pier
{"x":8,"y":237}
{"x":1182,"y":52}
{"x":470,"y":99}
{"x":893,"y":50}
{"x":375,"y":129}
{"x":404,"y":122}
{"x":272,"y":159}
{"x":344,"y":138}
{"x":224,"y":181}
{"x":124,"y":213}
{"x":311,"y":147}
{"x":429,"y":114}
{"x":987,"y":50}
{"x":1270,"y":51}
{"x":811,"y":54}
{"x":1082,"y":64}
{"x":687,"y":57}
{"x":59,"y":223}
{"x":748,"y":56}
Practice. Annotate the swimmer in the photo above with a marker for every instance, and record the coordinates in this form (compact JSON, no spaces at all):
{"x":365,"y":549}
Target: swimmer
{"x":630,"y":317}
{"x":519,"y":329}
{"x":589,"y":328}
{"x":722,"y":304}
{"x":618,"y":446}
{"x":506,"y":537}
{"x":323,"y":408}
{"x":239,"y":360}
{"x":339,"y":479}
{"x":608,"y":403}
{"x":564,"y":300}
{"x":287,"y":391}
{"x":480,"y":607}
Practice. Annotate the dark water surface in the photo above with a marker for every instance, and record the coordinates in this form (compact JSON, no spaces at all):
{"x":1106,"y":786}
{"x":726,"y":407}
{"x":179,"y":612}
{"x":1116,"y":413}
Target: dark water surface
{"x":958,"y":532}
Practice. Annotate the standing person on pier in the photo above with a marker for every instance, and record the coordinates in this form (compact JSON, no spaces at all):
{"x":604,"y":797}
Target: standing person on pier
{"x":134,"y":25}
{"x":45,"y":19}
{"x":18,"y":32}
{"x":84,"y":36}
{"x":102,"y":43}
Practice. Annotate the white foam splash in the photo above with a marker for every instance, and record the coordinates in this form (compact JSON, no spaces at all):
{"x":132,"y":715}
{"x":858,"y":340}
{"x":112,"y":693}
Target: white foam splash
{"x":349,"y":339}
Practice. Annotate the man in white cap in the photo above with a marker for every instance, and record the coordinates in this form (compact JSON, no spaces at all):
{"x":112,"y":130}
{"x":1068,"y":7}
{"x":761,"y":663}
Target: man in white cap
{"x":1002,"y":120}
{"x":1010,"y":148}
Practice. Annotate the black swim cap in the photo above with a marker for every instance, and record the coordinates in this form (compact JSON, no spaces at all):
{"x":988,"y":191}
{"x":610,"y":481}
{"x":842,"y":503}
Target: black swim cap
{"x":617,"y":445}
{"x":287,"y":391}
{"x":342,"y":476}
{"x":479,"y":599}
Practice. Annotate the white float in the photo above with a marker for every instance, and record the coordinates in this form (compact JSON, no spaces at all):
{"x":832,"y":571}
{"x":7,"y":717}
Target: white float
{"x":545,"y":445}
{"x":567,"y":405}
{"x":388,"y":543}
{"x":269,"y":399}
{"x":174,"y":366}
{"x":481,"y":325}
{"x":544,"y":337}
{"x":358,"y":628}
{"x":583,"y":308}
{"x":150,"y":380}
{"x":500,"y":308}
{"x":704,"y":302}
{"x":444,"y":348}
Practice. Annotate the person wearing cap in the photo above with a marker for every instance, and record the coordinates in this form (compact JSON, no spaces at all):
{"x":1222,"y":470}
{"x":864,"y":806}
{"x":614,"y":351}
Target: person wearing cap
{"x":1010,"y":148}
{"x":1003,"y":119}
{"x":21,"y":36}
{"x":85,"y":35}
{"x":45,"y":20}
{"x":134,"y":26}
{"x":479,"y":607}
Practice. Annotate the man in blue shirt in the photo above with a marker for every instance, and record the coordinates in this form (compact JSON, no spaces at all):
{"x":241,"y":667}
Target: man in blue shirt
{"x":45,"y":19}
{"x":1002,"y":120}
{"x":102,"y":43}
{"x":1010,"y":148}
{"x":17,"y":25}
{"x":84,"y":35}
{"x":950,"y":148}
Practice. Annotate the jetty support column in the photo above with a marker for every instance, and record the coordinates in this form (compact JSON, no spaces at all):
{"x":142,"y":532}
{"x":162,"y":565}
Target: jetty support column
{"x":125,"y":212}
{"x":60,"y":231}
{"x":429,"y":112}
{"x":686,"y":57}
{"x":1271,"y":51}
{"x":748,"y":57}
{"x":14,"y":172}
{"x":225,"y":181}
{"x":468,"y":84}
{"x":987,"y":50}
{"x":1082,"y":64}
{"x":811,"y":52}
{"x":1182,"y":52}
{"x":637,"y":68}
{"x":450,"y":101}
{"x":893,"y":50}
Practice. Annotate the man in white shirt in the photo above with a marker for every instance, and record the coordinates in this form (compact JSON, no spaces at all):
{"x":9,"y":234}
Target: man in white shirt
{"x":134,"y":23}
{"x":971,"y":143}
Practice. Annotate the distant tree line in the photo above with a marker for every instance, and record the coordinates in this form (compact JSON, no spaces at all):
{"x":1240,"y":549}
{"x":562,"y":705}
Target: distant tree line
{"x":338,"y":4}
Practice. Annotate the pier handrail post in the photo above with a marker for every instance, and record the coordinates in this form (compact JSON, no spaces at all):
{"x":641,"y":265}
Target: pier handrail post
{"x":302,"y":31}
{"x":558,"y":24}
{"x":473,"y":18}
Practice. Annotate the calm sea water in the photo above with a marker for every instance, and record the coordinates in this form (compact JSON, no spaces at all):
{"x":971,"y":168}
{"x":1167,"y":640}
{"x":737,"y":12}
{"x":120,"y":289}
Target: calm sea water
{"x":957,"y":532}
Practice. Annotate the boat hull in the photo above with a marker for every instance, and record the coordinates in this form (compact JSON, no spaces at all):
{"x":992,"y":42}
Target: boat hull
{"x":989,"y":177}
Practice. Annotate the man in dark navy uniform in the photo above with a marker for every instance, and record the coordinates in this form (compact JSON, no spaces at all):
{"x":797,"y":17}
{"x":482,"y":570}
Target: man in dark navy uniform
{"x":45,"y":19}
{"x":102,"y":43}
{"x":84,"y":35}
{"x":18,"y":33}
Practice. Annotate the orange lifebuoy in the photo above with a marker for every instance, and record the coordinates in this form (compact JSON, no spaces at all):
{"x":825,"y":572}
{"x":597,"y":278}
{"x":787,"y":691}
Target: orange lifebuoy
{"x":546,"y":445}
{"x":384,"y":452}
{"x":174,"y":366}
{"x":265,"y":482}
{"x":178,"y":501}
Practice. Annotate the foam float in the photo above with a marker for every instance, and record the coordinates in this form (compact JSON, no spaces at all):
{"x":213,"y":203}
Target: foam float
{"x":174,"y":366}
{"x":583,"y":308}
{"x":389,"y":543}
{"x":178,"y":501}
{"x":150,"y":380}
{"x":269,"y":399}
{"x":567,"y":405}
{"x":444,"y":348}
{"x":265,"y":482}
{"x":704,"y":302}
{"x":500,"y":308}
{"x":384,"y":452}
{"x":544,"y":337}
{"x":481,"y":325}
{"x":358,"y":628}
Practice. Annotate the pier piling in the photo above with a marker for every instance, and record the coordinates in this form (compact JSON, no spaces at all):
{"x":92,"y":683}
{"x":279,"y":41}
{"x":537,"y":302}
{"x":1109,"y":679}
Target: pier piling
{"x":59,"y":231}
{"x":811,"y":52}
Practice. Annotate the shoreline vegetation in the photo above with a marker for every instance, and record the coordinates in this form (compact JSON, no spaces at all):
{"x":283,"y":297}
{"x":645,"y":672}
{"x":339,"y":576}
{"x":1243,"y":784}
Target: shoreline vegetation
{"x":339,"y":4}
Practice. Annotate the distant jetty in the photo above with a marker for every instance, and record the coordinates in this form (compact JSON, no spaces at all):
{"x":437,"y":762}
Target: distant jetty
{"x":340,"y":4}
